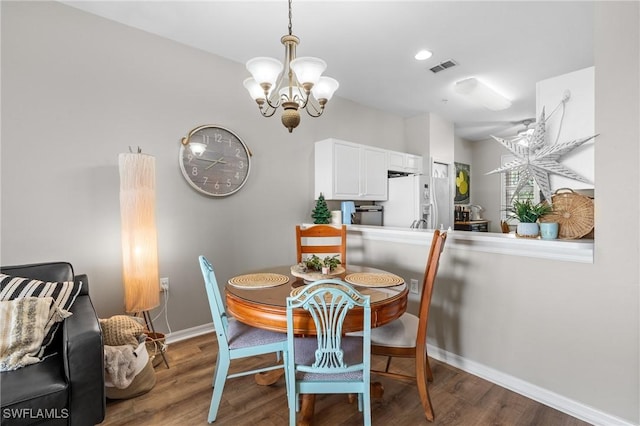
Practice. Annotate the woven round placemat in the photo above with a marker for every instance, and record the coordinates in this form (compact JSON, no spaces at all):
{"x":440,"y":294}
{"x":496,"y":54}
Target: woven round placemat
{"x":261,"y":280}
{"x":373,"y":279}
{"x":573,"y":212}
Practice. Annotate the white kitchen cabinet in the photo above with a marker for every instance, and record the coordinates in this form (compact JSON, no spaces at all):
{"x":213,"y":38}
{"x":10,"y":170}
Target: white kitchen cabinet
{"x":404,"y":162}
{"x":413,"y":163}
{"x":350,"y":171}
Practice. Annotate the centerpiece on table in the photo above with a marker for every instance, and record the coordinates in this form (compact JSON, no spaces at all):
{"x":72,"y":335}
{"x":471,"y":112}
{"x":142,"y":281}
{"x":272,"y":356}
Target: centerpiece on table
{"x":313,"y":268}
{"x":528,"y":214}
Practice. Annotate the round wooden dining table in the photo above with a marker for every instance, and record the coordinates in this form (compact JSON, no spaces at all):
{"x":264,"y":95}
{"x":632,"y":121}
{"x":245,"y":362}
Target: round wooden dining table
{"x":265,"y":307}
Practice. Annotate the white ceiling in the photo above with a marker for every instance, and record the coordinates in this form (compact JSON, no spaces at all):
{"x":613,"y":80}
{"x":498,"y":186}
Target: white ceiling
{"x":369,"y":46}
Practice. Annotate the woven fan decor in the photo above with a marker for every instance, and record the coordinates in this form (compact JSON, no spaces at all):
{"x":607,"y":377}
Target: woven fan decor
{"x":261,"y":280}
{"x":327,"y":296}
{"x":573,"y":212}
{"x":374,"y":296}
{"x":373,"y":279}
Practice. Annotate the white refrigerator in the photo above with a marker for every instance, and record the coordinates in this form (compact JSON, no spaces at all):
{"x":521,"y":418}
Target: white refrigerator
{"x":427,"y":199}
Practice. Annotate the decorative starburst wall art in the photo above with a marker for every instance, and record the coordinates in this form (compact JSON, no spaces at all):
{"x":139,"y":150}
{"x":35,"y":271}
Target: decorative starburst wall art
{"x":536,"y":158}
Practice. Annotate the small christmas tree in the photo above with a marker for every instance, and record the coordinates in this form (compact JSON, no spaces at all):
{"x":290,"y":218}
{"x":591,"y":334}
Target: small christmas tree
{"x":321,"y":213}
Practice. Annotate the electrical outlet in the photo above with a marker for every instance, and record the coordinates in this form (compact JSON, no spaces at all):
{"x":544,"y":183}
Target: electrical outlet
{"x":164,"y":284}
{"x":413,"y":286}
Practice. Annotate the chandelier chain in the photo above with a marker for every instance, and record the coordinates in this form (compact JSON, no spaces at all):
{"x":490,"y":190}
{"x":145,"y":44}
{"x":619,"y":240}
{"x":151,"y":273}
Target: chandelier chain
{"x":290,"y":26}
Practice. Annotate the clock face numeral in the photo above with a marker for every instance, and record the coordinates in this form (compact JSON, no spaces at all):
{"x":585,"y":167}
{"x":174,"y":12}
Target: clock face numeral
{"x":223,"y":168}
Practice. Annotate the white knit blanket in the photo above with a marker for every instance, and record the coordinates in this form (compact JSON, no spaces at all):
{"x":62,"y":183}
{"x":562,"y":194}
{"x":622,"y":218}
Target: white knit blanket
{"x":119,"y":365}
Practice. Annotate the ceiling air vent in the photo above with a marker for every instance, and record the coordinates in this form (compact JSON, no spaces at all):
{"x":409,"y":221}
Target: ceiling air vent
{"x":443,"y":66}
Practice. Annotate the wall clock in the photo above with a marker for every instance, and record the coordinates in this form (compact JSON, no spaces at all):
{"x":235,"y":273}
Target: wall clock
{"x":214,"y":160}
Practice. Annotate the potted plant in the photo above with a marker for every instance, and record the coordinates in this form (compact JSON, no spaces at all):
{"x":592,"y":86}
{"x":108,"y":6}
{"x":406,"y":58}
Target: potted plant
{"x":326,"y":265}
{"x":528,"y":214}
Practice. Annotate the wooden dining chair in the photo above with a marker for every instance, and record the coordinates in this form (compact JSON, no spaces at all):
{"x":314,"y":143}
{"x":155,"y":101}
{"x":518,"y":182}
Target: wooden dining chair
{"x":406,"y":337}
{"x":329,"y":362}
{"x":335,"y":237}
{"x":236,"y":340}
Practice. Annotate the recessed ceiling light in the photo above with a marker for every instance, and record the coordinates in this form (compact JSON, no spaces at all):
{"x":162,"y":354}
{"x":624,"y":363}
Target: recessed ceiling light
{"x":423,"y":55}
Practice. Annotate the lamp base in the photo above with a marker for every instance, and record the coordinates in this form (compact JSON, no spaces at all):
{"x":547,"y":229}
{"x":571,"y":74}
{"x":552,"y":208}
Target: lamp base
{"x":149,"y":322}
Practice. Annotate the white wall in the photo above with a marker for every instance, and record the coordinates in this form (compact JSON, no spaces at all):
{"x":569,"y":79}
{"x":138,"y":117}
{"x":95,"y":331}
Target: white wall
{"x":485,"y":189}
{"x":441,"y":139}
{"x":82,"y":89}
{"x":417,"y":139}
{"x":576,"y":121}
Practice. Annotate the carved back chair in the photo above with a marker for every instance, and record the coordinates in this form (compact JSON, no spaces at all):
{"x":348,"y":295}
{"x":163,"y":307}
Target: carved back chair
{"x":329,"y":362}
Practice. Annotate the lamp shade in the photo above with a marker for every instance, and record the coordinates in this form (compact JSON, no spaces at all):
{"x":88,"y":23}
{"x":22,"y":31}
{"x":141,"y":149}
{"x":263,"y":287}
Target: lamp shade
{"x":308,"y":69}
{"x":139,"y":235}
{"x":325,"y":88}
{"x":254,"y":89}
{"x":264,"y":70}
{"x":482,"y":94}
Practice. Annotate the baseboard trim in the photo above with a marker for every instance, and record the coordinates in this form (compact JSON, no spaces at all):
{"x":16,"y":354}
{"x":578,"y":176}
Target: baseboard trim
{"x":188,"y":333}
{"x":537,"y":393}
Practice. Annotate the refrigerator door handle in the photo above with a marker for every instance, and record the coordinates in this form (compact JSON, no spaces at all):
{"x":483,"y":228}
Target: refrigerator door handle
{"x":434,"y":213}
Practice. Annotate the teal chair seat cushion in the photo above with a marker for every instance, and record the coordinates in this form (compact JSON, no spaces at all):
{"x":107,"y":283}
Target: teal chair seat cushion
{"x":241,"y":335}
{"x":305,"y":348}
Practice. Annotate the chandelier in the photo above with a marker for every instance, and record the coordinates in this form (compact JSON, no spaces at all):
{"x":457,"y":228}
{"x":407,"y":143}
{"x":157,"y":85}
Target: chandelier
{"x":298,"y":84}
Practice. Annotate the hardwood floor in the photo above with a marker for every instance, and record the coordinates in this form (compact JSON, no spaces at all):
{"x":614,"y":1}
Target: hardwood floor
{"x":182,"y":395}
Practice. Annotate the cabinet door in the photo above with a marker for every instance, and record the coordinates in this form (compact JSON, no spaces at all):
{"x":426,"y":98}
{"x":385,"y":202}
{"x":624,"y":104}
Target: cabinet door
{"x":346,"y":171}
{"x":374,"y":174}
{"x":396,"y":161}
{"x":413,"y":163}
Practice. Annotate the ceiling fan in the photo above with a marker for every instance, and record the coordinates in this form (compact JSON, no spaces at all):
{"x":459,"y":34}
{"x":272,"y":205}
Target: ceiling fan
{"x":528,"y":127}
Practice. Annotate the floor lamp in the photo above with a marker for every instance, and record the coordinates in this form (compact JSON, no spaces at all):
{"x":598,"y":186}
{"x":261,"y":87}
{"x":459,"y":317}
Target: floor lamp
{"x":139,"y":236}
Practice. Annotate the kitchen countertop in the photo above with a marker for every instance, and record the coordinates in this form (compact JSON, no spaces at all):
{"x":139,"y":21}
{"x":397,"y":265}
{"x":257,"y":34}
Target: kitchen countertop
{"x":490,"y":242}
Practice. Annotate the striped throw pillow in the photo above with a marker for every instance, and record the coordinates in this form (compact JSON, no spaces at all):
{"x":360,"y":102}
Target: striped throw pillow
{"x":63,"y":294}
{"x":22,"y":323}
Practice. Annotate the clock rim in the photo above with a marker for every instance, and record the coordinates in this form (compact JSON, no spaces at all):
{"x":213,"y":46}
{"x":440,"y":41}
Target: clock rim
{"x":186,"y":175}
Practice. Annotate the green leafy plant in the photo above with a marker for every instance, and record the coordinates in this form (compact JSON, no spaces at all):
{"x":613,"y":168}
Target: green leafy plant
{"x":314,"y":263}
{"x":527,"y":212}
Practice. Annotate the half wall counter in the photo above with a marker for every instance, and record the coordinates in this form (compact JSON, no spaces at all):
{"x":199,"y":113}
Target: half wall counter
{"x":580,"y":251}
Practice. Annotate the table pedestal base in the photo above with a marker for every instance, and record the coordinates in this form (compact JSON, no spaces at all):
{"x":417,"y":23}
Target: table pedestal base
{"x":268,"y":378}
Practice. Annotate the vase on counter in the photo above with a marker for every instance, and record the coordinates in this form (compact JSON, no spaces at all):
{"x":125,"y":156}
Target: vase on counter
{"x":549,"y":230}
{"x":528,"y":230}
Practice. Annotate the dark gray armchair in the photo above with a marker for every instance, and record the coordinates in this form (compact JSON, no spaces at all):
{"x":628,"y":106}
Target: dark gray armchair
{"x":66,"y":388}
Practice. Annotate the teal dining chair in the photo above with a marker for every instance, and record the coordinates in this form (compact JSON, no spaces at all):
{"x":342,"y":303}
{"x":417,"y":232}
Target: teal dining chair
{"x":329,"y":362}
{"x":236,"y":340}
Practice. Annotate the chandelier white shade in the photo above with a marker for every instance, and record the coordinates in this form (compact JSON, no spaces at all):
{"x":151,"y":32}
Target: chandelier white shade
{"x":482,"y":94}
{"x":298,"y":83}
{"x":325,"y":88}
{"x":265,"y":70}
